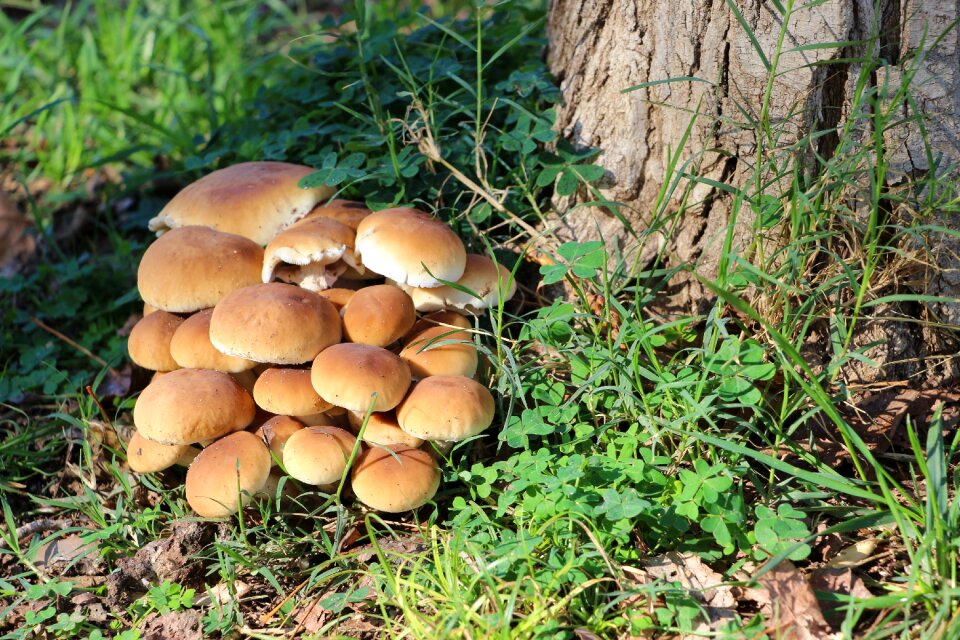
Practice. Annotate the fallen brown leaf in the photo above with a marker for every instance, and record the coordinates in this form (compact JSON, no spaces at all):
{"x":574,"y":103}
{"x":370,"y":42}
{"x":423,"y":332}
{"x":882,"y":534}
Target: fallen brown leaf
{"x":705,"y":584}
{"x":176,"y":625}
{"x":787,"y":600}
{"x":840,"y":581}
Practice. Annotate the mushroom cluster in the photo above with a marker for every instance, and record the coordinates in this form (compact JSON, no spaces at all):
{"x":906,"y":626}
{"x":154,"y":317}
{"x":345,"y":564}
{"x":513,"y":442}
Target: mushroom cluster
{"x":283,"y":327}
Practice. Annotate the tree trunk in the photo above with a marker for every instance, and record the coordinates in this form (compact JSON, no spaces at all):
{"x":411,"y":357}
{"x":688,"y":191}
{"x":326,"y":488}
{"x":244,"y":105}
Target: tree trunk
{"x":599,"y":48}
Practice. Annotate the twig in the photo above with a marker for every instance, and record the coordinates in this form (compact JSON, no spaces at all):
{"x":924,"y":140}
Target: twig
{"x":36,"y":526}
{"x":265,"y":618}
{"x":103,"y":411}
{"x":423,"y":136}
{"x":75,"y":345}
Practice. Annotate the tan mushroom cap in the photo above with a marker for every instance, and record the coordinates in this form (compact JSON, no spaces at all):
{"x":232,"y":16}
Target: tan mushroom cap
{"x":440,"y":351}
{"x":191,"y":347}
{"x":446,"y":408}
{"x":193,"y":268}
{"x":410,"y":247}
{"x":345,"y":212}
{"x":276,"y":431}
{"x":338,"y":296}
{"x":288,"y":392}
{"x":192,"y":405}
{"x":147,"y":456}
{"x":395,"y":478}
{"x":348,"y":375}
{"x":149,"y":341}
{"x":311,"y":254}
{"x":247,"y":380}
{"x":326,"y":420}
{"x":448,"y":319}
{"x":274,"y":322}
{"x":252,"y":199}
{"x":378,"y":315}
{"x":382,"y":428}
{"x":488,"y":280}
{"x":318,"y":455}
{"x":148,"y":309}
{"x":225,"y":476}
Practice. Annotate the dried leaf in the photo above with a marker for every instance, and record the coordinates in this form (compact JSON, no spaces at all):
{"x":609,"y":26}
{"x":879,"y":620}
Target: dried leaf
{"x":224,"y":593}
{"x":17,"y":246}
{"x":854,"y":555}
{"x":705,"y":584}
{"x":841,"y":581}
{"x":787,"y":600}
{"x":176,"y":625}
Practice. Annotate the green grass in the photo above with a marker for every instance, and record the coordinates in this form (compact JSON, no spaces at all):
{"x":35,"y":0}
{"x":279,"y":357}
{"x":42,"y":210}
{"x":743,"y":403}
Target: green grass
{"x":621,"y":438}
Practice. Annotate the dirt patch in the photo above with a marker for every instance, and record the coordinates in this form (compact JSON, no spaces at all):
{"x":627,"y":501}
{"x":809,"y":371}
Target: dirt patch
{"x":174,"y":559}
{"x":176,"y":625}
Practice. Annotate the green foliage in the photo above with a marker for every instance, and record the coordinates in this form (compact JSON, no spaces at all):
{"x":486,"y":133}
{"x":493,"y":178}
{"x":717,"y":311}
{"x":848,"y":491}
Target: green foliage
{"x":380,"y":116}
{"x":622,"y":434}
{"x":86,"y":297}
{"x":88,"y":83}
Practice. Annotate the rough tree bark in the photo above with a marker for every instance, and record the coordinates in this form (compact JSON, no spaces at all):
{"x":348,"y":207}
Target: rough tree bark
{"x":598,"y":48}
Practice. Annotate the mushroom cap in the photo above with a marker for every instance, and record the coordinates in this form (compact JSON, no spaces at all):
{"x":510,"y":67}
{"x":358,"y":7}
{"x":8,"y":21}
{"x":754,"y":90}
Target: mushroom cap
{"x":149,"y":342}
{"x":274,"y":322}
{"x":252,"y":199}
{"x":345,"y":212}
{"x":311,"y":253}
{"x":288,"y":392}
{"x":247,"y":379}
{"x":192,"y":405}
{"x":347,"y":375}
{"x":276,"y":431}
{"x":440,"y":351}
{"x":191,"y":347}
{"x":378,"y":315}
{"x":482,"y":276}
{"x":318,"y":455}
{"x":448,"y":319}
{"x":338,"y":296}
{"x":382,"y":428}
{"x":193,"y":268}
{"x":224,"y":477}
{"x":410,"y":247}
{"x":446,"y":408}
{"x":147,"y":456}
{"x":395,"y":478}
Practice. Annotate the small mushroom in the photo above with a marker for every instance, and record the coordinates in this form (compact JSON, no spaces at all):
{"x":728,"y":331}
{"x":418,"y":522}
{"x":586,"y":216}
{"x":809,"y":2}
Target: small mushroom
{"x":276,"y":431}
{"x":225,"y":476}
{"x":395,"y":478}
{"x":447,"y":408}
{"x":338,"y":296}
{"x":354,"y":375}
{"x":410,"y":247}
{"x":187,"y":406}
{"x":345,"y":212}
{"x":193,"y":268}
{"x":191,"y":347}
{"x":382,"y":428}
{"x":150,"y":340}
{"x":318,"y":455}
{"x":147,"y":456}
{"x":312,"y":254}
{"x":252,"y":199}
{"x":448,"y":319}
{"x":378,"y":315}
{"x":276,"y":323}
{"x":440,"y":351}
{"x":288,"y":392}
{"x":483,"y":285}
